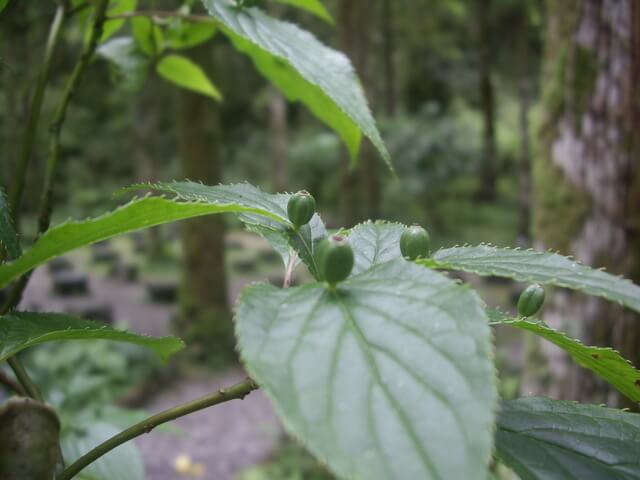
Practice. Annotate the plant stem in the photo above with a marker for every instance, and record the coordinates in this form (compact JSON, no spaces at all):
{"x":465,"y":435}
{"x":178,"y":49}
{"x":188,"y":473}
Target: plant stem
{"x":163,"y":14}
{"x":60,"y":113}
{"x":238,"y":391}
{"x":54,"y":154}
{"x":11,"y":384}
{"x":288,"y":275}
{"x":24,"y":379}
{"x":17,"y":187}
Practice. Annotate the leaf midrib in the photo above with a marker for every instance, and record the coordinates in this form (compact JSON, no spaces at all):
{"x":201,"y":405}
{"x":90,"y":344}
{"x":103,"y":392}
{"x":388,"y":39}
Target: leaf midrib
{"x":373,"y":368}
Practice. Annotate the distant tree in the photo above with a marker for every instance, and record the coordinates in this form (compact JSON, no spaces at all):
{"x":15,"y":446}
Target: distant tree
{"x":204,"y":318}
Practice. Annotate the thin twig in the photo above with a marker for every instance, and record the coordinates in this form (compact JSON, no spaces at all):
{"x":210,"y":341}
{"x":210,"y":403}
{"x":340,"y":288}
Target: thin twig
{"x":46,"y":201}
{"x":163,"y":14}
{"x":11,"y":384}
{"x":52,"y":161}
{"x":238,"y":391}
{"x":25,"y":380}
{"x":26,"y":149}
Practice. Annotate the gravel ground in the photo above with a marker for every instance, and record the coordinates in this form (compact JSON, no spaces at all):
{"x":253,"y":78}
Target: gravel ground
{"x":223,"y":439}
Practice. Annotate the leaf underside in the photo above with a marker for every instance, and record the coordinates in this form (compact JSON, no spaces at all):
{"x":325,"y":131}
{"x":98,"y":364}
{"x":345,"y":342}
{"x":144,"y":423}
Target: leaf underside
{"x":375,"y":242}
{"x":304,"y":69}
{"x":275,"y":228}
{"x":136,"y":215}
{"x":604,"y":362}
{"x":540,"y":267}
{"x":21,"y":330}
{"x":389,"y":377}
{"x":543,"y":439}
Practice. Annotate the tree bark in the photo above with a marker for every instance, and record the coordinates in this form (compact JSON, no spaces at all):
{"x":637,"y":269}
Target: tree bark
{"x":524,"y":96}
{"x":587,"y":175}
{"x":279,"y":138}
{"x":204,"y":320}
{"x":360,"y":188}
{"x":145,"y":152}
{"x":389,"y":46}
{"x":488,"y":169}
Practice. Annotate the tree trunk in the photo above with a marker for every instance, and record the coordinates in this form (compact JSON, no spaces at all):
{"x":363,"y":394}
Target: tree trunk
{"x":204,"y":320}
{"x":388,"y":35}
{"x":360,"y":189}
{"x":488,"y":169}
{"x":279,"y":143}
{"x":145,"y":152}
{"x":524,"y":94}
{"x":587,"y":175}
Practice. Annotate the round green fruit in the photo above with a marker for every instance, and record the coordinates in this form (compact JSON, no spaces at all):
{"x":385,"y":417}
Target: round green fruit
{"x":301,"y":208}
{"x":335,"y":259}
{"x":531,"y":300}
{"x":414,"y":242}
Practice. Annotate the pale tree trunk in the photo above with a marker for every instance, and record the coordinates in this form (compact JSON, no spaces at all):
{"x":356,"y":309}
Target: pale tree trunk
{"x":488,"y":168}
{"x":204,"y":320}
{"x":587,"y":175}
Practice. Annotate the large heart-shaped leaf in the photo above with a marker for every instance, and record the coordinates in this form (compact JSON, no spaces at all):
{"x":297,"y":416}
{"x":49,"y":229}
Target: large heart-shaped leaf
{"x":21,"y":330}
{"x":543,"y":439}
{"x":541,"y":267}
{"x":387,"y":377}
{"x":275,"y":228}
{"x":138,"y":214}
{"x":304,"y":69}
{"x":604,"y":362}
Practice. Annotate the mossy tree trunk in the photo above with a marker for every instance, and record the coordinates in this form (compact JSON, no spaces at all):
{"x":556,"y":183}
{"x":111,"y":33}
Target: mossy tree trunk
{"x":587,"y":173}
{"x":204,"y":319}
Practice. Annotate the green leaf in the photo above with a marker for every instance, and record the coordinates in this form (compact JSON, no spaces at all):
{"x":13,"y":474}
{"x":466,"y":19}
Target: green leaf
{"x":116,"y":7}
{"x":543,"y":439}
{"x":21,"y":330}
{"x":136,"y":215}
{"x":312,"y":6}
{"x":8,"y":235}
{"x":304,"y":69}
{"x":186,"y":74}
{"x":181,"y":34}
{"x":539,"y":267}
{"x":3,"y":4}
{"x":604,"y":362}
{"x":122,"y":463}
{"x":375,"y":242}
{"x":129,"y":62}
{"x":387,"y":377}
{"x":276,"y":228}
{"x":148,"y":35}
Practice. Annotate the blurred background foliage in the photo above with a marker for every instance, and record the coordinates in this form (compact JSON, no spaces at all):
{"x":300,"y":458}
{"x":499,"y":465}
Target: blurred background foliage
{"x":471,"y":97}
